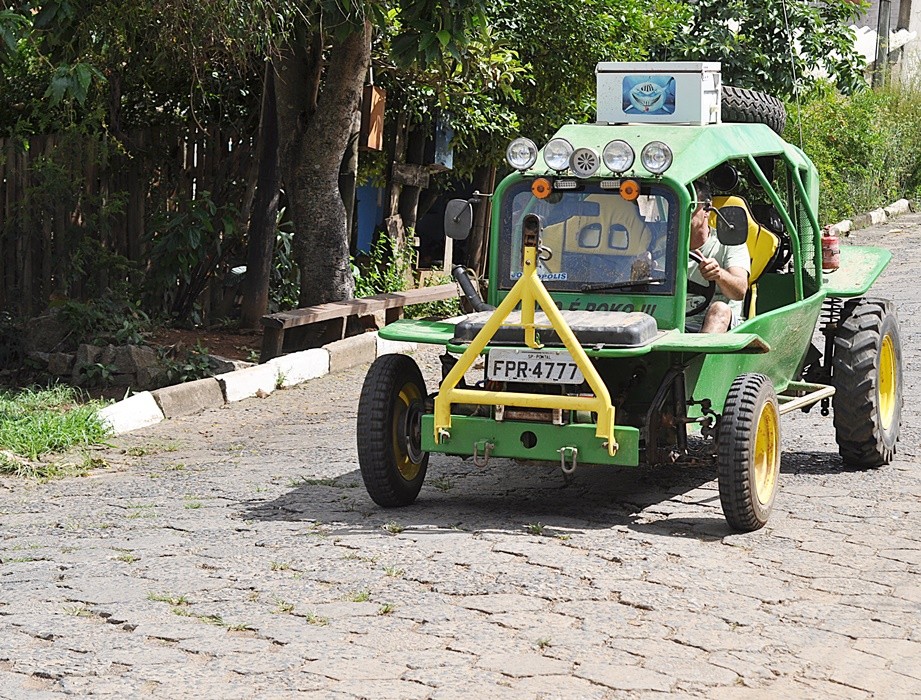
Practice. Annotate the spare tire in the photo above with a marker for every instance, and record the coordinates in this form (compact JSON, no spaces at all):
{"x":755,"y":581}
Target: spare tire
{"x":753,"y":107}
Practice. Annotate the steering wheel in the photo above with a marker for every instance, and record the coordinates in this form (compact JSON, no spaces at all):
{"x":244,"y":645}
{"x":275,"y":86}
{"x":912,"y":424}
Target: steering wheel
{"x":706,"y":291}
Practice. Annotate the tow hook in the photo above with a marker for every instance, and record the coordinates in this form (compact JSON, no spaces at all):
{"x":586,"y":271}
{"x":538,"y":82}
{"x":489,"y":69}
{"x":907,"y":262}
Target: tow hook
{"x":481,"y":453}
{"x":573,"y":454}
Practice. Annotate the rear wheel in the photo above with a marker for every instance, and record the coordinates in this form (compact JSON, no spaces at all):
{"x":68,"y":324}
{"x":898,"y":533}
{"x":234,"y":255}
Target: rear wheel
{"x":748,"y":452}
{"x":867,"y":375}
{"x":390,"y":411}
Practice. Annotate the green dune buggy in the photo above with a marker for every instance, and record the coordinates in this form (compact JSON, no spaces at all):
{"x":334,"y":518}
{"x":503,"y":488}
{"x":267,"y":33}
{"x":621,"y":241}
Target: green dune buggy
{"x":586,"y":357}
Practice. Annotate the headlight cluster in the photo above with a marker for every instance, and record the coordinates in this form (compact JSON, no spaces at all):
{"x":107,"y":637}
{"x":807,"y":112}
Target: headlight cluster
{"x":618,"y":157}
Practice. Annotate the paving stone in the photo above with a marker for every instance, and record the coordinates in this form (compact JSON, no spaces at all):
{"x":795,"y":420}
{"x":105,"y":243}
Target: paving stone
{"x":523,"y":665}
{"x":500,"y":603}
{"x":632,"y":678}
{"x":356,"y":669}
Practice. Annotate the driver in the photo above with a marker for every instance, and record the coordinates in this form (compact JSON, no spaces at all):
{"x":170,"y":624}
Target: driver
{"x":728,"y":266}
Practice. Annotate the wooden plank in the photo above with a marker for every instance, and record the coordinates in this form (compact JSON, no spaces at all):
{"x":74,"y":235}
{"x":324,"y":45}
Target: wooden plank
{"x":358,"y":307}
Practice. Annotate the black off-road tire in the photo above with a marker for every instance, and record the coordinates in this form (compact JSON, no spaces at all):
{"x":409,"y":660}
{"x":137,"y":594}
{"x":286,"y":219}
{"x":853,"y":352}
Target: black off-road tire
{"x":390,"y":456}
{"x":748,"y":452}
{"x":740,"y":105}
{"x":867,"y":376}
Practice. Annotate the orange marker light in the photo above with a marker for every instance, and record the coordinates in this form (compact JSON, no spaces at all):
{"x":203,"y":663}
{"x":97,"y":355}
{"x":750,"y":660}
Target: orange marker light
{"x":541,"y":188}
{"x":629,"y":190}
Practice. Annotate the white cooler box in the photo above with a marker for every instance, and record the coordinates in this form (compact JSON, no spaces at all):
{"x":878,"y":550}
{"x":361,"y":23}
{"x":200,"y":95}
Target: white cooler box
{"x":659,"y":93}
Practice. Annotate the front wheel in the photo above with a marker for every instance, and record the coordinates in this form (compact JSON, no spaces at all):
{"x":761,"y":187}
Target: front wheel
{"x":748,"y":452}
{"x":867,"y":375}
{"x":390,"y":411}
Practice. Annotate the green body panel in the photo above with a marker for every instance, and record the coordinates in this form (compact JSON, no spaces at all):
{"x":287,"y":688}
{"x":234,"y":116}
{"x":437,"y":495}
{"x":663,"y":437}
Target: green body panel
{"x":860,"y":266}
{"x":787,"y":330}
{"x":506,"y":438}
{"x":411,"y":331}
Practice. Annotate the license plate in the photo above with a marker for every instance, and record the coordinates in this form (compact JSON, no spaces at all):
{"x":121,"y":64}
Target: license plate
{"x":533,"y":366}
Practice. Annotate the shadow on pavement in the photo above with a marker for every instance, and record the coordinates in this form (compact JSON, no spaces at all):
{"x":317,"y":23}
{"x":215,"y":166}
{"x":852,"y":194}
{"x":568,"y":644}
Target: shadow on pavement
{"x":510,"y":497}
{"x":813,"y":462}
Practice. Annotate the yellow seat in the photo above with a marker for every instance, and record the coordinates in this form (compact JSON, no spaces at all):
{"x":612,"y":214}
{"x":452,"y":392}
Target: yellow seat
{"x":762,"y":243}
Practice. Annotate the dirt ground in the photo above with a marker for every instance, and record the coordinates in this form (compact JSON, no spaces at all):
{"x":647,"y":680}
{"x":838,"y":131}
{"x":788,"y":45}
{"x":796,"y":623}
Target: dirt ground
{"x":232,"y":344}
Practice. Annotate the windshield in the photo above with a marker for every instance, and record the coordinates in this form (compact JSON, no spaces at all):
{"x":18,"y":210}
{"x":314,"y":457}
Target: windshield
{"x":593,"y":237}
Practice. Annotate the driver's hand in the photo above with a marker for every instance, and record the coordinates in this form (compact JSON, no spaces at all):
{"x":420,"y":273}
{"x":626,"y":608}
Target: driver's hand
{"x":710,"y":269}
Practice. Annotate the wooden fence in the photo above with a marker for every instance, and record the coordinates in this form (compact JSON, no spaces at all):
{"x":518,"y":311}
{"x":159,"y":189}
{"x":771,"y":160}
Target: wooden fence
{"x":74,"y":209}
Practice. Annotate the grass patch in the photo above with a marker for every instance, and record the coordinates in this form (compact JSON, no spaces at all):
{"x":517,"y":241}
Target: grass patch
{"x":35,"y":423}
{"x":314,"y":619}
{"x":394,"y":528}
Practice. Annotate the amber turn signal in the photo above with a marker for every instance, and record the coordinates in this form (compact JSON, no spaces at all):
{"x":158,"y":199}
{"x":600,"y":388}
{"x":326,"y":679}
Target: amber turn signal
{"x":629,"y":190}
{"x":541,"y":188}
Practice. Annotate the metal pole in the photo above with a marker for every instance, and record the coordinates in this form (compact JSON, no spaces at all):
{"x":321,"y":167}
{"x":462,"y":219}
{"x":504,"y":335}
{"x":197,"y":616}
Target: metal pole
{"x":882,"y":44}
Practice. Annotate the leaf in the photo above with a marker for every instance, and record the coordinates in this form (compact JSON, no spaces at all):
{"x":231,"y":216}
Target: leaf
{"x":444,"y":36}
{"x":60,"y":85}
{"x":46,"y":15}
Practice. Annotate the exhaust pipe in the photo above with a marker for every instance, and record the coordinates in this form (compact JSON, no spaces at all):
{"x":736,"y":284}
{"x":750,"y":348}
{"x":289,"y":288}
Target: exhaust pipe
{"x":466,"y":285}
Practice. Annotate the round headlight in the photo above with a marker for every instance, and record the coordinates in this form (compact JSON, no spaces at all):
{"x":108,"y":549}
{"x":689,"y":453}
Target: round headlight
{"x":618,"y":156}
{"x":557,"y":153}
{"x":521,"y":153}
{"x":656,"y":157}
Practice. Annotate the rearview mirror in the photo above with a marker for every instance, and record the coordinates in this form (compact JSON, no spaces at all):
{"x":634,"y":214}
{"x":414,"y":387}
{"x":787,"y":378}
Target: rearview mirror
{"x":458,"y":219}
{"x":732,"y":225}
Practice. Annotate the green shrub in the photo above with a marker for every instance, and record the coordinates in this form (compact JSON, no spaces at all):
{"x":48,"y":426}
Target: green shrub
{"x":866,"y":147}
{"x":446,"y":308}
{"x":386,"y":268}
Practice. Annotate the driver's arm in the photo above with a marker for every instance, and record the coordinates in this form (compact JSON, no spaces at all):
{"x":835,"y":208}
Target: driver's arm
{"x":732,"y":282}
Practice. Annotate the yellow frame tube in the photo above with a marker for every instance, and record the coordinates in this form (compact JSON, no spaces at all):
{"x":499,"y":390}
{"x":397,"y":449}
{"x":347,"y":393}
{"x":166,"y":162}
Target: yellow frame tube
{"x":530,"y":291}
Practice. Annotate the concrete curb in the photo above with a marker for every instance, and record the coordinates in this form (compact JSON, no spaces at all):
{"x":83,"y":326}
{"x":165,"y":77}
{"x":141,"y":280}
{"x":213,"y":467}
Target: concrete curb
{"x":872,"y":218}
{"x":149,"y":408}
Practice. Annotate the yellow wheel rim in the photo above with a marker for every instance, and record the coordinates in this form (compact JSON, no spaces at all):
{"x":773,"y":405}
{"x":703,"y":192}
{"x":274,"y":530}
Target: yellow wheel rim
{"x":767,"y":453}
{"x":403,"y":433}
{"x":887,"y":380}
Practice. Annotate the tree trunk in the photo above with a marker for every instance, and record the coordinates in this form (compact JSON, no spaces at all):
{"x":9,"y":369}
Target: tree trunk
{"x":261,"y":243}
{"x":348,"y":180}
{"x":315,"y":126}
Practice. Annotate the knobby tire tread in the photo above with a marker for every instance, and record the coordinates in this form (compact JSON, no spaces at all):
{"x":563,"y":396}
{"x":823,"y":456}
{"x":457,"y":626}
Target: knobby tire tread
{"x":862,"y":441}
{"x":741,"y":105}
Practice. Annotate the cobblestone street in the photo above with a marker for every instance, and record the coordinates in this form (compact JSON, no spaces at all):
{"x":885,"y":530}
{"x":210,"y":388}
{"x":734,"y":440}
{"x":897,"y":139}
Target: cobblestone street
{"x":236,"y":554}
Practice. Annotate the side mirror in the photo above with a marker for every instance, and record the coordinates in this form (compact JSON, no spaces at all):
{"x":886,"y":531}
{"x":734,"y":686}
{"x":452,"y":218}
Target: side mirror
{"x":458,"y":219}
{"x":732,"y":225}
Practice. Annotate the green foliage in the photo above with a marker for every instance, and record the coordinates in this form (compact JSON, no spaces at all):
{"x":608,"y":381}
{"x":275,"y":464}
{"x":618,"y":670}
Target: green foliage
{"x":284,"y":283}
{"x":445,"y":308}
{"x":753,"y":44}
{"x":111,"y":319}
{"x":187,"y":248}
{"x":867,"y":147}
{"x":386,"y":268}
{"x":36,"y":422}
{"x":561,"y":42}
{"x":195,"y":365}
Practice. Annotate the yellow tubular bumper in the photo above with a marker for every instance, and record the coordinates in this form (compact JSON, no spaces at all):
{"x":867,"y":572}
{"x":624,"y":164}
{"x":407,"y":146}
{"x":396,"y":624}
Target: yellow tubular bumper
{"x":530,"y":291}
